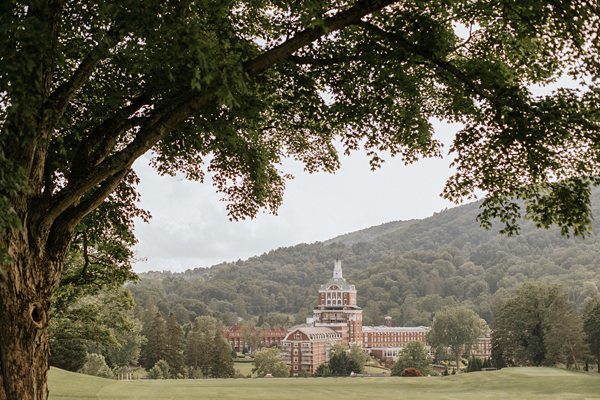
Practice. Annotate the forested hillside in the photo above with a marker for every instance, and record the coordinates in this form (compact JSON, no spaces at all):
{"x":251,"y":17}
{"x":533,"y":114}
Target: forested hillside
{"x":406,"y":269}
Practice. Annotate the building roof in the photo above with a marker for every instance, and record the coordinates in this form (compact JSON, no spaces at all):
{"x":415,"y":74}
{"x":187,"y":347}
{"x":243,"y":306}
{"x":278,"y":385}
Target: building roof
{"x":314,"y":332}
{"x":383,"y":328}
{"x":338,"y":280}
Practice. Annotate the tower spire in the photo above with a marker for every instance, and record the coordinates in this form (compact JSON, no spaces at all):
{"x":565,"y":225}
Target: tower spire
{"x":337,"y":269}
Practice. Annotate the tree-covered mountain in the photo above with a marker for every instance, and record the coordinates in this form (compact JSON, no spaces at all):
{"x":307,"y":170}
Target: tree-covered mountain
{"x":406,"y":269}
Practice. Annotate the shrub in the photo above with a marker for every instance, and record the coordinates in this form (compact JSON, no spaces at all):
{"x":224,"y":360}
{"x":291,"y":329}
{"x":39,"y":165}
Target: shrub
{"x":95,"y":364}
{"x":411,"y":372}
{"x":160,"y":370}
{"x":323,"y":371}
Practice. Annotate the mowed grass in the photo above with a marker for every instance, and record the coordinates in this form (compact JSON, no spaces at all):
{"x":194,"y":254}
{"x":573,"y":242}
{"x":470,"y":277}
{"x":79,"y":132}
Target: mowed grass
{"x":509,"y":383}
{"x":245,"y":368}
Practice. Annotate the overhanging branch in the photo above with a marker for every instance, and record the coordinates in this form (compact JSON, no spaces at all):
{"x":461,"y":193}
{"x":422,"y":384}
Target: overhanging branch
{"x":173,"y":112}
{"x":343,"y":19}
{"x":397,"y":38}
{"x":58,"y":101}
{"x":100,"y":141}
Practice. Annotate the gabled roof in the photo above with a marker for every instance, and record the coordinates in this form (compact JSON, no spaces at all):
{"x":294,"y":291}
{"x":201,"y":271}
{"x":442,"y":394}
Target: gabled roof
{"x":315,"y":332}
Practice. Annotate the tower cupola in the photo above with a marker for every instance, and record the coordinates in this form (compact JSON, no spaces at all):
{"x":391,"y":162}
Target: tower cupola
{"x":337,"y":269}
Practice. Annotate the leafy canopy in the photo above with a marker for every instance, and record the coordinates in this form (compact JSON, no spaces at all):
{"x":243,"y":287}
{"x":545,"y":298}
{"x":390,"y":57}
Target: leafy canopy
{"x":457,"y":329}
{"x":413,"y":355}
{"x":536,"y":325}
{"x":230,"y":88}
{"x":269,"y":361}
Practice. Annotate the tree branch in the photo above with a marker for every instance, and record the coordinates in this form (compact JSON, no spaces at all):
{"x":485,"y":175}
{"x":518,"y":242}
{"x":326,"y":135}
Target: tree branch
{"x":62,"y":228}
{"x":321,"y":62}
{"x":441,"y":64}
{"x":90,"y":152}
{"x":175,"y":111}
{"x":163,"y":119}
{"x":57,"y":102}
{"x":86,"y":258}
{"x":351,"y":16}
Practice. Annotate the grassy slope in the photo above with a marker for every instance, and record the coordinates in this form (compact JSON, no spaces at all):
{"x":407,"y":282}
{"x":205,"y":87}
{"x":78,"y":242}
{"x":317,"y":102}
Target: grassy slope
{"x":245,"y":368}
{"x":511,"y":383}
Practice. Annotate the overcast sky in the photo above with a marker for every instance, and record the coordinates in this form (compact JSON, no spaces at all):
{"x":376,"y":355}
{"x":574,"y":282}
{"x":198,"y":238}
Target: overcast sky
{"x":189,"y":226}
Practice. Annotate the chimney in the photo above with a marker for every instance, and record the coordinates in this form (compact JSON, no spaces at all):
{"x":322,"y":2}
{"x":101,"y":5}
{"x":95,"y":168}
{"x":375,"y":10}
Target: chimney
{"x":388,"y":321}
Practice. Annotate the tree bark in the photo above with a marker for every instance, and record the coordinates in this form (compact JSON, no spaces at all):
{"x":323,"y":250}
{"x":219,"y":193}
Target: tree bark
{"x":26,"y":285}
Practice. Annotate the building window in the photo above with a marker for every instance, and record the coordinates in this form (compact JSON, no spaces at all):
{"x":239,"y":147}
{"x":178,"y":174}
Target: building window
{"x":295,"y":351}
{"x":295,"y":368}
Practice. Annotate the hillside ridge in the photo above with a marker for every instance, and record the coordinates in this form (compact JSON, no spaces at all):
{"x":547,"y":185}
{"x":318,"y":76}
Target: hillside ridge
{"x":406,"y":269}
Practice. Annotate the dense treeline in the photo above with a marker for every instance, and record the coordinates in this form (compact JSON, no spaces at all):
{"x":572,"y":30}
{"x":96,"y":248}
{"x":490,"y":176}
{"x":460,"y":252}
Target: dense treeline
{"x":536,"y":325}
{"x":196,"y":350}
{"x":406,"y":269}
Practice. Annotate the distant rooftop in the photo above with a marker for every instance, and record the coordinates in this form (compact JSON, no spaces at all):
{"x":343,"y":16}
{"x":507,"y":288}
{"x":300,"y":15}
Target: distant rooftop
{"x":314,"y":332}
{"x":338,"y":279}
{"x":383,"y":328}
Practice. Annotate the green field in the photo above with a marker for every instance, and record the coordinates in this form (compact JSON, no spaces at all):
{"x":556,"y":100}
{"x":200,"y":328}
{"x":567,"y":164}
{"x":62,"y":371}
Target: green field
{"x":510,"y":383}
{"x":245,"y":368}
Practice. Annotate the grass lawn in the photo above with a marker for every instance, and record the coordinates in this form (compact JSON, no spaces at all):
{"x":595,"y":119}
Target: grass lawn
{"x":371,"y":369}
{"x":509,"y":383}
{"x":245,"y":368}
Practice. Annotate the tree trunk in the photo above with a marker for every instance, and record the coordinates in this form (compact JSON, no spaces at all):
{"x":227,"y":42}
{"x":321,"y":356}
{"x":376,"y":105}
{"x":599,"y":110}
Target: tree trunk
{"x":26,"y":285}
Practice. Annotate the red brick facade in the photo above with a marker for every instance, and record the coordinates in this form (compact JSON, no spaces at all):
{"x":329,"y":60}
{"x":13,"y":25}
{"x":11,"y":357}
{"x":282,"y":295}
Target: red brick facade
{"x":269,"y":337}
{"x":482,"y":348}
{"x":307,"y":347}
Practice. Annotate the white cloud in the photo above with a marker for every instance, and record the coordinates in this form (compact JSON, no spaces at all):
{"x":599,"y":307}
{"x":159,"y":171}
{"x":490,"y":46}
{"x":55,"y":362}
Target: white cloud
{"x":190,"y":227}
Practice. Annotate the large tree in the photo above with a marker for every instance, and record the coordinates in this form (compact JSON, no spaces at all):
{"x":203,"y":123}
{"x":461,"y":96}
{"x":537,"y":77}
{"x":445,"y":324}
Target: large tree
{"x":91,"y":310}
{"x":456,"y":329}
{"x":207,"y":351}
{"x":536,"y":325}
{"x":155,"y":346}
{"x":87,"y":87}
{"x":413,"y":355}
{"x":175,"y":346}
{"x":341,"y":363}
{"x":591,"y":326}
{"x":269,"y":361}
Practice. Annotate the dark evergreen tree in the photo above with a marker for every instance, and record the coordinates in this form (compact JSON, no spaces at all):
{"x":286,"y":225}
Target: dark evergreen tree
{"x":207,"y":351}
{"x":174,"y":348}
{"x":222,"y":363}
{"x":198,"y":347}
{"x":497,"y":359}
{"x":341,"y":364}
{"x":474,"y":364}
{"x":69,"y":354}
{"x":156,"y":338}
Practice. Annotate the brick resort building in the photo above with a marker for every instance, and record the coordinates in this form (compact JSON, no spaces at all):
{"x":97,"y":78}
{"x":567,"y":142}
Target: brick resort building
{"x":337,"y":319}
{"x":269,"y":337}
